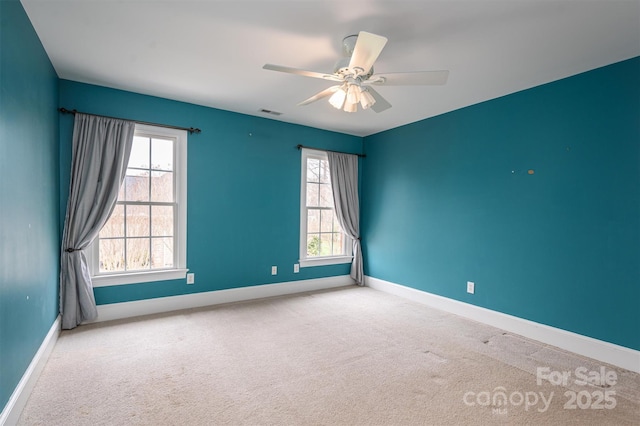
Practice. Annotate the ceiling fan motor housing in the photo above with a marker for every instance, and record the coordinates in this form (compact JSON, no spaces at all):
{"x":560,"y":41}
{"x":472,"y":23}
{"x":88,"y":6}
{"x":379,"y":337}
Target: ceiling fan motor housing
{"x":348,"y":44}
{"x":341,"y":67}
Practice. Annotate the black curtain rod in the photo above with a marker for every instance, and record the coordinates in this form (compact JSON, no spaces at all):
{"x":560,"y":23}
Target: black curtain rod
{"x":329,"y":150}
{"x":188,"y":129}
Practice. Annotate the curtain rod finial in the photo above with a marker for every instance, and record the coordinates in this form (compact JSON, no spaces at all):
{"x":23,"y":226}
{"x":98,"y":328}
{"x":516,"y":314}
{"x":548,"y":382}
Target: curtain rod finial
{"x":66,"y":111}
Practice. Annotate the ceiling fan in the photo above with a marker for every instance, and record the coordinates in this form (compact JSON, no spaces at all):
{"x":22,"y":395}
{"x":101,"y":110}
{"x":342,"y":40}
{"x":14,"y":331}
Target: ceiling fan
{"x":354,"y":73}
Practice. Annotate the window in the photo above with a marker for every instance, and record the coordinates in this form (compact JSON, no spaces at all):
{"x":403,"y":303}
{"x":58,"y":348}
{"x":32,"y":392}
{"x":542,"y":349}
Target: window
{"x":322,"y":241}
{"x":145,"y":236}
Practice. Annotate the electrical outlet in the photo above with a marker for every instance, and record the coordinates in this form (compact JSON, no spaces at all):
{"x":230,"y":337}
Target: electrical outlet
{"x":191,"y":278}
{"x":274,"y":270}
{"x":296,"y":268}
{"x":471,"y":287}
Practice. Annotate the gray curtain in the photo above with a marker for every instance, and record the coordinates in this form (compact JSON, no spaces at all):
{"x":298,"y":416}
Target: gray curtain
{"x":101,"y":148}
{"x":344,"y":181}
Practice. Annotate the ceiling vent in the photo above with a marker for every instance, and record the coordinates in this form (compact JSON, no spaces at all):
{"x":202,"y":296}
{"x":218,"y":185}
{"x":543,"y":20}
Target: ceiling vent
{"x":268,"y":111}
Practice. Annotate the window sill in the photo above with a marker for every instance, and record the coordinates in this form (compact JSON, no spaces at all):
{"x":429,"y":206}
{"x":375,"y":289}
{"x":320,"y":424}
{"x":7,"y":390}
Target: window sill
{"x":138,"y":277}
{"x":323,"y":261}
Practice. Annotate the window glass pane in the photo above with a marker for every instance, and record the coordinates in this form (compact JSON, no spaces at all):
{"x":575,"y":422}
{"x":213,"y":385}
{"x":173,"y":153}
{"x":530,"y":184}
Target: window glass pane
{"x":121,"y":192}
{"x":162,"y":154}
{"x":326,"y":241}
{"x":313,"y":191}
{"x":325,"y":177}
{"x":326,"y":221}
{"x":138,"y":221}
{"x":139,"y":153}
{"x":338,"y":247}
{"x":336,"y":225}
{"x":162,"y":252}
{"x":136,"y":185}
{"x":162,"y":186}
{"x":111,"y":255}
{"x":313,"y":245}
{"x":313,"y":170}
{"x":137,"y":254}
{"x":313,"y":220}
{"x":326,"y":196}
{"x":161,"y":221}
{"x":115,"y":225}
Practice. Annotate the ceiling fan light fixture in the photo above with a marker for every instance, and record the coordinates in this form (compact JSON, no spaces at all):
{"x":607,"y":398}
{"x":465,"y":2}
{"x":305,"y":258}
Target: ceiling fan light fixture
{"x":353,"y":94}
{"x":337,"y":99}
{"x":350,"y":107}
{"x":366,"y":99}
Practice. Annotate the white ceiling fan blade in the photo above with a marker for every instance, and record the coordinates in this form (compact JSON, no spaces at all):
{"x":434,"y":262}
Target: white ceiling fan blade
{"x":366,"y":51}
{"x":325,"y":93}
{"x":381,"y":103}
{"x":423,"y":78}
{"x":304,"y":73}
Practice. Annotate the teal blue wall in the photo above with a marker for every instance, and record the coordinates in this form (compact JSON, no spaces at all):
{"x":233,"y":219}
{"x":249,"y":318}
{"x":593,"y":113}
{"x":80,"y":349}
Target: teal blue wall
{"x":444,"y":200}
{"x":243,"y":190}
{"x":29,"y":234}
{"x":449,"y":200}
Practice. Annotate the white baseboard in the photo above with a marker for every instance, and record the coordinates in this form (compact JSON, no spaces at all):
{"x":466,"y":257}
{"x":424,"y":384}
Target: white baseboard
{"x":197,"y":300}
{"x":13,"y":408}
{"x":586,"y":346}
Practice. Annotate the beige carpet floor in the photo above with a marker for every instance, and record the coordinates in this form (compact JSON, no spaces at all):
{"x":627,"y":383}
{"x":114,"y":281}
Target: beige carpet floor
{"x":350,"y":356}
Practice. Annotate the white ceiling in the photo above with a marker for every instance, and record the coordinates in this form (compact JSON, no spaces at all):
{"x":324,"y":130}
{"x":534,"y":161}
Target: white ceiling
{"x":211,"y":52}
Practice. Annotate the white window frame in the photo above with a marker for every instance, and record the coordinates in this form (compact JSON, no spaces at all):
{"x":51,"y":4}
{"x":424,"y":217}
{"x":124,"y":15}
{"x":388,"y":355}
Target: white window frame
{"x":305,"y":261}
{"x":179,"y":271}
